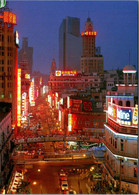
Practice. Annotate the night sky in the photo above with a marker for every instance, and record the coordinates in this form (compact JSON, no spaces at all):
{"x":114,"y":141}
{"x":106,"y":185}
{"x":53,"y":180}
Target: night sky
{"x":115,"y":23}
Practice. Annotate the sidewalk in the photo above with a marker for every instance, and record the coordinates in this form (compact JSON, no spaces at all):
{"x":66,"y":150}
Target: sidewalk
{"x":80,"y":184}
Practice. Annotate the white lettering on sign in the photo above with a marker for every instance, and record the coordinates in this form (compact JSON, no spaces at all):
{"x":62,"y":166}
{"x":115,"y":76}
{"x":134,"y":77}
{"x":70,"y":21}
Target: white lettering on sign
{"x":123,"y":115}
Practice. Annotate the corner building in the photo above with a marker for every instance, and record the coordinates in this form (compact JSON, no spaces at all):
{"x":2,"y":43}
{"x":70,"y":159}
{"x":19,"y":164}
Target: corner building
{"x":90,"y":61}
{"x":121,"y":134}
{"x":8,"y":60}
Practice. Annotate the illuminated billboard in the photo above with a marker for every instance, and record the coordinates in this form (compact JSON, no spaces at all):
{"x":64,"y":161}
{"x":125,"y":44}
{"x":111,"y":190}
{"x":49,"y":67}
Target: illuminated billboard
{"x":9,"y":17}
{"x":87,"y":106}
{"x":24,"y":106}
{"x":76,"y":105}
{"x":89,"y":33}
{"x":127,"y":116}
{"x":27,"y":76}
{"x":69,"y":122}
{"x":31,"y":93}
{"x":2,"y":3}
{"x":65,"y":73}
{"x":18,"y":97}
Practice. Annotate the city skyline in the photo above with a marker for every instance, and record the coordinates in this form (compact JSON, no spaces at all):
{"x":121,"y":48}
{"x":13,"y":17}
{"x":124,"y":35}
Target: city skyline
{"x":116,"y":32}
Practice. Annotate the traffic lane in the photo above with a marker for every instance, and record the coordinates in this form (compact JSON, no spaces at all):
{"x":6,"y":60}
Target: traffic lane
{"x":47,"y":180}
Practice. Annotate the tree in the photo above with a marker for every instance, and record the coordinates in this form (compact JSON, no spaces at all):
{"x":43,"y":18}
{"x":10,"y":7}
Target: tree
{"x":23,"y":188}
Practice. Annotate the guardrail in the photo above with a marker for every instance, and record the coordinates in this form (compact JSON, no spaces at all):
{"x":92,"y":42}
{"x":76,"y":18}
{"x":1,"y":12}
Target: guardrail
{"x":57,"y":138}
{"x":52,"y":157}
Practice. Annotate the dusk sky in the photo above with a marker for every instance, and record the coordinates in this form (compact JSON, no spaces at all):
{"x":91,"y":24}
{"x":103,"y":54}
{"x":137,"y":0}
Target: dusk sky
{"x":115,"y":23}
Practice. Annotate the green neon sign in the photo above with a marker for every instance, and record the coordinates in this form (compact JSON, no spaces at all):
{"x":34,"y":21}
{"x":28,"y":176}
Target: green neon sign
{"x":2,"y":3}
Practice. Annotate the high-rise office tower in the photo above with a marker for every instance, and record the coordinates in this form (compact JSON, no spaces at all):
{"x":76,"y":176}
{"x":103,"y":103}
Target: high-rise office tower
{"x":25,"y":56}
{"x":8,"y":59}
{"x":91,"y":61}
{"x":70,"y":44}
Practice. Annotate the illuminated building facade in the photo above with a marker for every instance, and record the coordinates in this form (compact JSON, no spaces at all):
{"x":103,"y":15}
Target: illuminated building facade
{"x":6,"y":146}
{"x":25,"y":56}
{"x":70,"y":44}
{"x":121,"y":134}
{"x":90,"y":61}
{"x":81,"y":115}
{"x":8,"y":60}
{"x":64,"y":81}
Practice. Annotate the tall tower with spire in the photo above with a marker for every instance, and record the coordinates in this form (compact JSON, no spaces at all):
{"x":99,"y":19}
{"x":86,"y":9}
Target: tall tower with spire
{"x":53,"y":67}
{"x":90,"y":61}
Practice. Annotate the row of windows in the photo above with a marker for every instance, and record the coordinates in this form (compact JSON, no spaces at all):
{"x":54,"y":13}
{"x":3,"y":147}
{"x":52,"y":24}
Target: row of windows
{"x":120,"y":103}
{"x":9,"y":53}
{"x":8,"y":48}
{"x":9,"y":85}
{"x":9,"y":69}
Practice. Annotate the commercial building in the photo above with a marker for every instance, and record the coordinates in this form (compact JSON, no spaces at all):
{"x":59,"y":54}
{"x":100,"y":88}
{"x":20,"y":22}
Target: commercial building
{"x":70,"y":44}
{"x":6,"y":146}
{"x":91,"y":61}
{"x":25,"y":56}
{"x":8,"y":60}
{"x":72,"y":81}
{"x":121,"y":134}
{"x":82,"y":115}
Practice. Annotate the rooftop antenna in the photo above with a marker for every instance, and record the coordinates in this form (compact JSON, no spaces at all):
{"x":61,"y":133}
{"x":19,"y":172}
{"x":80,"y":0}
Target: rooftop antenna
{"x":129,"y":57}
{"x":88,"y":15}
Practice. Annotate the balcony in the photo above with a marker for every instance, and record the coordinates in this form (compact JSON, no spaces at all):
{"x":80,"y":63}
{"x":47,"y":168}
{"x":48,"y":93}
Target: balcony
{"x":116,"y":176}
{"x":117,"y":152}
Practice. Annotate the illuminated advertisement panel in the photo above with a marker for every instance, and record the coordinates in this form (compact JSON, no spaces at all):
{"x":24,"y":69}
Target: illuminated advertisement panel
{"x":2,"y":3}
{"x":89,"y":33}
{"x":24,"y":106}
{"x":135,"y":116}
{"x":87,"y":106}
{"x":9,"y":17}
{"x":76,"y":105}
{"x":68,"y":101}
{"x":112,"y":111}
{"x":69,"y":122}
{"x":18,"y":97}
{"x":27,"y":76}
{"x":123,"y":115}
{"x":31,"y":94}
{"x":66,"y":73}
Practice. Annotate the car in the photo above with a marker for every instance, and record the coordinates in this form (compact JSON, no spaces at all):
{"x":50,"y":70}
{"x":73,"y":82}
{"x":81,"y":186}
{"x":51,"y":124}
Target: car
{"x":64,"y":185}
{"x":72,"y":192}
{"x":63,"y":178}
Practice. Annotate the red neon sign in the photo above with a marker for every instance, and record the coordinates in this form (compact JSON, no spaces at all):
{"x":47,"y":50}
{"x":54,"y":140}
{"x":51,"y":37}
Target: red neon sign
{"x":89,"y":33}
{"x":9,"y":17}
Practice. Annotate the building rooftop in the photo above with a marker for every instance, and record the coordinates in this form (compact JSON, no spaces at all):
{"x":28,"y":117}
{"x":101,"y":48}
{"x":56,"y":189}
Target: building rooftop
{"x":5,"y":108}
{"x":129,"y":68}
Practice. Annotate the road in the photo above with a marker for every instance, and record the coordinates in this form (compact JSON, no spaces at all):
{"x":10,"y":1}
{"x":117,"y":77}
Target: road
{"x":44,"y":176}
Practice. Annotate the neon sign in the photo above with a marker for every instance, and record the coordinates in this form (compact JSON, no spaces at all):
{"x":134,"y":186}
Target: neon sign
{"x":24,"y":95}
{"x":89,"y":33}
{"x":2,"y":3}
{"x":27,"y":76}
{"x":123,"y":115}
{"x":18,"y":97}
{"x":31,"y":93}
{"x":66,"y":73}
{"x":69,"y":122}
{"x":9,"y":17}
{"x":16,"y":38}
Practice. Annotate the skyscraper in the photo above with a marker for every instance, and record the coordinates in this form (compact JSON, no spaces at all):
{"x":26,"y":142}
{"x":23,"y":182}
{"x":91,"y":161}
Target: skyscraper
{"x":25,"y":56}
{"x":8,"y":59}
{"x":70,"y":44}
{"x":90,"y":60}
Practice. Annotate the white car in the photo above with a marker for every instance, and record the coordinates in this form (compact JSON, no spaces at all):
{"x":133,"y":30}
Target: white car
{"x":64,"y":185}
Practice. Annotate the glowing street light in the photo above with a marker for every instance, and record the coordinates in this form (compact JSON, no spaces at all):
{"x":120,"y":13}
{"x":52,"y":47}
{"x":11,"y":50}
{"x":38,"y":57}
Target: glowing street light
{"x":34,"y":183}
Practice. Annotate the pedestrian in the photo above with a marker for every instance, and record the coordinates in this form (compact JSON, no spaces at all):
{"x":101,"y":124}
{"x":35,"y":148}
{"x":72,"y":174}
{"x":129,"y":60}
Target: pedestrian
{"x":91,"y":188}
